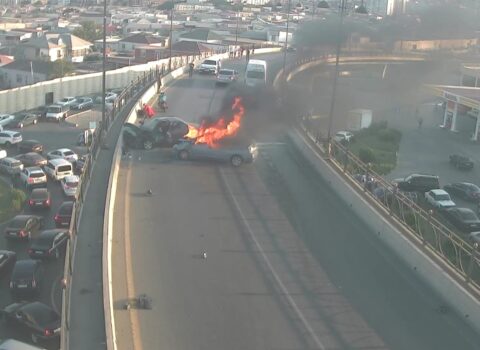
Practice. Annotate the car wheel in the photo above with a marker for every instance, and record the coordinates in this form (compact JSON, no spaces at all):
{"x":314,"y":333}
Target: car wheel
{"x":183,"y":155}
{"x":148,"y":145}
{"x":236,"y":161}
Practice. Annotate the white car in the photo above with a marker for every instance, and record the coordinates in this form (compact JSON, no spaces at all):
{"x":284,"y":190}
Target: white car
{"x":70,"y":185}
{"x":8,"y":137}
{"x":343,"y":136}
{"x":226,"y":76}
{"x":56,"y":112}
{"x":67,"y":101}
{"x":63,"y":153}
{"x":439,"y":199}
{"x":33,"y":176}
{"x":6,"y":119}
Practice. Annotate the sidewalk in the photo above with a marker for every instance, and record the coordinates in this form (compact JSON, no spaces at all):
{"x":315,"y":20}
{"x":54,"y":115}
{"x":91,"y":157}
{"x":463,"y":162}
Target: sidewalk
{"x":87,"y":323}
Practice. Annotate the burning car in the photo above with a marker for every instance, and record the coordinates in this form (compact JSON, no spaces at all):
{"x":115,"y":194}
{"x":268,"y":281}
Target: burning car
{"x":189,"y":150}
{"x":157,"y":132}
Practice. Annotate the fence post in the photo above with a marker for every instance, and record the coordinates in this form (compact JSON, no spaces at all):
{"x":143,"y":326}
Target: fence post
{"x":473,"y":257}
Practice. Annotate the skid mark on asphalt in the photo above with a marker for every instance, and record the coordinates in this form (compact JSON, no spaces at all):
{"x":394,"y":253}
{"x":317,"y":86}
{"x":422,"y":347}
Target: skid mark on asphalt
{"x":275,"y":275}
{"x":134,"y":322}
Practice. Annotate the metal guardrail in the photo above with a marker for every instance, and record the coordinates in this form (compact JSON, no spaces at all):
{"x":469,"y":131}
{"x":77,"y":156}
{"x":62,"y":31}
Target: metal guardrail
{"x":97,"y":140}
{"x":458,"y":253}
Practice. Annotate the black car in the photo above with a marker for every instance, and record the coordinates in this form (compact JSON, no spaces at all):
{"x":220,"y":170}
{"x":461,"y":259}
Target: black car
{"x":7,"y":259}
{"x":462,"y":218}
{"x":23,"y":119}
{"x":80,"y":164}
{"x":64,"y":215}
{"x":27,"y":277}
{"x":27,"y":146}
{"x":461,"y":162}
{"x":39,"y":199}
{"x":40,"y":320}
{"x":465,"y":190}
{"x":49,"y":244}
{"x":23,"y":226}
{"x":418,"y":183}
{"x":31,"y":159}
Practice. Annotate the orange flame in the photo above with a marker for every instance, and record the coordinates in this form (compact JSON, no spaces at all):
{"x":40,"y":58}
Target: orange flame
{"x":212,"y":134}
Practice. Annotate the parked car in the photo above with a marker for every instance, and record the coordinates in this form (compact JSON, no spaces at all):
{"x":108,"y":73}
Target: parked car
{"x":49,"y":244}
{"x":63,"y":153}
{"x":27,"y":278}
{"x":343,"y":136}
{"x":227,"y":76}
{"x":56,"y":113}
{"x":66,"y":101}
{"x":210,"y":66}
{"x":418,"y":183}
{"x":30,"y":146}
{"x":58,"y":168}
{"x":39,"y":111}
{"x":82,"y":103}
{"x":464,"y":219}
{"x":33,"y":177}
{"x":465,"y":190}
{"x":40,"y":320}
{"x":8,"y":138}
{"x":23,"y":227}
{"x":23,"y":119}
{"x":32,"y":159}
{"x":10,"y":166}
{"x":7,"y":260}
{"x":39,"y":199}
{"x":64,"y":215}
{"x":5,"y":119}
{"x":439,"y":199}
{"x":70,"y":185}
{"x":187,"y":150}
{"x":461,"y":162}
{"x":80,"y":164}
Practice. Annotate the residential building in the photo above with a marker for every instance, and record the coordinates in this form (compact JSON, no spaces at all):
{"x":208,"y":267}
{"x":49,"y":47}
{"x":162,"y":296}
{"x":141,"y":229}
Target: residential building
{"x":257,"y":2}
{"x":13,"y":37}
{"x":43,"y":48}
{"x":203,"y":35}
{"x":96,"y":17}
{"x":141,"y":39}
{"x":76,"y":48}
{"x":21,"y":73}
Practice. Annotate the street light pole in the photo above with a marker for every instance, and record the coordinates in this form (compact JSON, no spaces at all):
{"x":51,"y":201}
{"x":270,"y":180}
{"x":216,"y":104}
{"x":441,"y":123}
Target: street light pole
{"x":104,"y":73}
{"x":170,"y":40}
{"x":335,"y":78}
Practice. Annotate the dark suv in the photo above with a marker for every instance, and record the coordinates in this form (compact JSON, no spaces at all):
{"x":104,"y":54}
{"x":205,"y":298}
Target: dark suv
{"x":418,"y":183}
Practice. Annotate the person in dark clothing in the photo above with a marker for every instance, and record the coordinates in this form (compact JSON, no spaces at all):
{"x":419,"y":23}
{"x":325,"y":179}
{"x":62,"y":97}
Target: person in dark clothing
{"x":191,"y":66}
{"x":247,"y":56}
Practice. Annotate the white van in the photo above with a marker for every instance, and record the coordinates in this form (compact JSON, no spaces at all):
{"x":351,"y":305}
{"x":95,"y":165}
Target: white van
{"x":10,"y":166}
{"x":256,"y":73}
{"x":210,"y":66}
{"x":56,"y":112}
{"x":12,"y":344}
{"x":58,"y":168}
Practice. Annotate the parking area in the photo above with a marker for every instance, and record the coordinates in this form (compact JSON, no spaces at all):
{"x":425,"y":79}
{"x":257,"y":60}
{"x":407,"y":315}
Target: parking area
{"x":64,"y":134}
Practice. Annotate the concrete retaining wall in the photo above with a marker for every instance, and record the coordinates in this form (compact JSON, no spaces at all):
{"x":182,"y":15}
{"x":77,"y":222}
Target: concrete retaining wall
{"x":451,"y":290}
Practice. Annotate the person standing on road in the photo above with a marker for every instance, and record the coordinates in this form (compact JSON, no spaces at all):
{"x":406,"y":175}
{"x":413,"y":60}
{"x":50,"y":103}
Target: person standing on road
{"x":247,"y":56}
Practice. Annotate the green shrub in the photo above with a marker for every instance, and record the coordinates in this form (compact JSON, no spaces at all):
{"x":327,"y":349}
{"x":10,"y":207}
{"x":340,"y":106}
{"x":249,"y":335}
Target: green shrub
{"x":366,"y":155}
{"x":389,"y":135}
{"x":18,"y":198}
{"x":381,"y":125}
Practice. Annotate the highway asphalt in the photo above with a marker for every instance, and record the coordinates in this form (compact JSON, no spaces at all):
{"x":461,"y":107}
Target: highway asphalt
{"x":52,"y":136}
{"x":288,"y":265}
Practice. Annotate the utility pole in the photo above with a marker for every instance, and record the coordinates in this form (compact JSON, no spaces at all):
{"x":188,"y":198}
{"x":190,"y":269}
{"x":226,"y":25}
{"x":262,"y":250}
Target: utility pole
{"x":104,"y":66}
{"x":286,"y":39}
{"x":170,"y":40}
{"x":335,"y":78}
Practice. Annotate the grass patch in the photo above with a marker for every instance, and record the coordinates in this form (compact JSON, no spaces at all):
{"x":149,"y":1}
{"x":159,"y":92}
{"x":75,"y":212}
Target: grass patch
{"x":377,"y":145}
{"x":11,"y":201}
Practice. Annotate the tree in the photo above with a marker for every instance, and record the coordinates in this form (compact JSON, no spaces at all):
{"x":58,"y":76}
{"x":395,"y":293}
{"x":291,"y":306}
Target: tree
{"x":323,"y":5}
{"x":61,"y":68}
{"x":89,"y":31}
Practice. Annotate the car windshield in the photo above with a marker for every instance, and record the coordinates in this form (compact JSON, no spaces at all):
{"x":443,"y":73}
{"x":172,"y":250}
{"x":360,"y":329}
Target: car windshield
{"x":254,"y":74}
{"x":39,"y":194}
{"x":225,"y":72}
{"x":71,"y":183}
{"x":468,"y":215}
{"x":54,"y":109}
{"x":17,"y":222}
{"x":23,"y":270}
{"x":68,"y":153}
{"x":65,"y":168}
{"x":65,"y":209}
{"x":210,"y":62}
{"x":44,"y":316}
{"x":37,"y":174}
{"x":442,"y":197}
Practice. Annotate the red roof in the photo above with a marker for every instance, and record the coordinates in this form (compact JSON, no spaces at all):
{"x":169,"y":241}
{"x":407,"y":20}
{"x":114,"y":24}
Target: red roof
{"x":5,"y":60}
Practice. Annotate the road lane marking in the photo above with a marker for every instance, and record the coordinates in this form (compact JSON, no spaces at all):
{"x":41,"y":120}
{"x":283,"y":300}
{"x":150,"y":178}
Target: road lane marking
{"x":134,"y":322}
{"x":275,"y":275}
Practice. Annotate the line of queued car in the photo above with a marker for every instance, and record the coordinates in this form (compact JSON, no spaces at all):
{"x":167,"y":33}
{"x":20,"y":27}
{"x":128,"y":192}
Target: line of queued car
{"x":32,"y":171}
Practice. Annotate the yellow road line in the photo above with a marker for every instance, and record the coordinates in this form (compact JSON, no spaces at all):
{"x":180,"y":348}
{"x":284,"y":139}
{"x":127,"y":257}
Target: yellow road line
{"x":134,"y":322}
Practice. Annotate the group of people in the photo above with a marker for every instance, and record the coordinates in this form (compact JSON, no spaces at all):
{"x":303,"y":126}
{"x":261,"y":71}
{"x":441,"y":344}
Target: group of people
{"x":147,"y":110}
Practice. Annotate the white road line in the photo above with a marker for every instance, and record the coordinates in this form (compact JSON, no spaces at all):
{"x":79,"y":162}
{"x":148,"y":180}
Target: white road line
{"x":270,"y":266}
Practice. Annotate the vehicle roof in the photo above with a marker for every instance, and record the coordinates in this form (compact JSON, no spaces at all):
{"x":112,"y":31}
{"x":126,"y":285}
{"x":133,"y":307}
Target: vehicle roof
{"x":257,"y":62}
{"x":33,"y":155}
{"x":439,"y":191}
{"x":63,"y":150}
{"x":19,"y":219}
{"x":59,"y":161}
{"x":71,"y":178}
{"x":227,"y":70}
{"x":39,"y":193}
{"x":34,"y":169}
{"x":11,"y":159}
{"x":23,"y":267}
{"x":48,"y":234}
{"x":10,"y":132}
